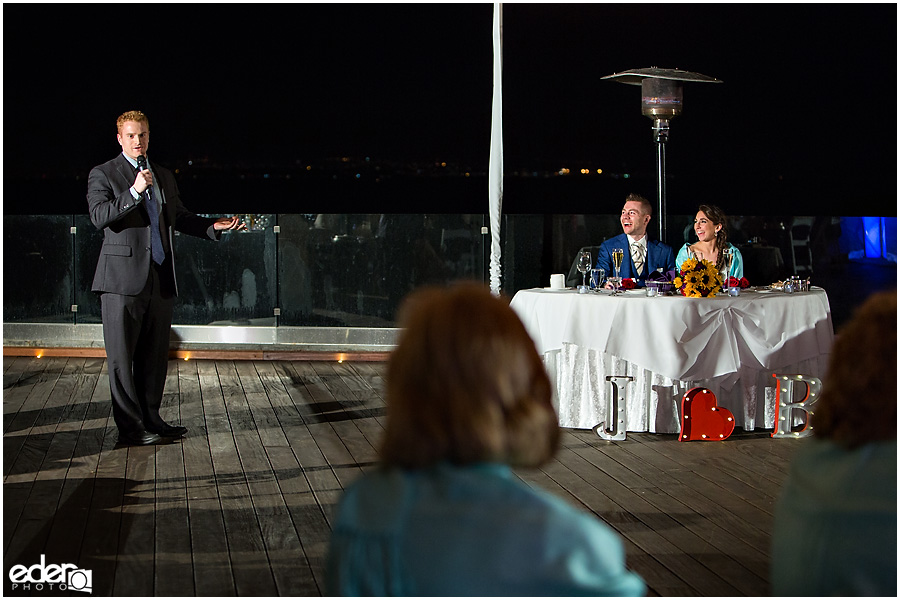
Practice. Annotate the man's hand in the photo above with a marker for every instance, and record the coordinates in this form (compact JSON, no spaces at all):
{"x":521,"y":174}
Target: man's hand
{"x":143,"y":180}
{"x":229,"y":223}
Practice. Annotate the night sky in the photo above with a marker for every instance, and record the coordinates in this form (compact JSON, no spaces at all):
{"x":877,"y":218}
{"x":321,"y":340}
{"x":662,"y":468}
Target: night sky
{"x":809,"y":92}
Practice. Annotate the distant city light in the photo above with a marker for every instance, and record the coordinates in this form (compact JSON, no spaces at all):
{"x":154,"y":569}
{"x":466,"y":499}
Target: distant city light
{"x":599,"y":171}
{"x":585,"y":171}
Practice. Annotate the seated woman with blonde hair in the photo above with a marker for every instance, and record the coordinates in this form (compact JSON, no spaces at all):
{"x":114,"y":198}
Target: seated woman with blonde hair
{"x":467,"y":400}
{"x":711,"y":227}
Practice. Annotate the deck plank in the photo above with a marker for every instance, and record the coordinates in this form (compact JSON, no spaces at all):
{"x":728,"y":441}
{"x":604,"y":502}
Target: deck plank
{"x":249,"y":562}
{"x":204,"y":415}
{"x":75,"y":457}
{"x":18,"y":381}
{"x":23,"y":452}
{"x":172,"y":549}
{"x":100,"y":544}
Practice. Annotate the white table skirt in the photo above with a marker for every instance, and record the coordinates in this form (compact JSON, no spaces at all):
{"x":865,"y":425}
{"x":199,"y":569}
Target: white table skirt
{"x":731,"y":345}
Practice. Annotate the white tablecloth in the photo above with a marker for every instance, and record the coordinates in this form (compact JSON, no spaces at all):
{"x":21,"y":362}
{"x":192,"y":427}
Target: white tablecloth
{"x":669,"y":344}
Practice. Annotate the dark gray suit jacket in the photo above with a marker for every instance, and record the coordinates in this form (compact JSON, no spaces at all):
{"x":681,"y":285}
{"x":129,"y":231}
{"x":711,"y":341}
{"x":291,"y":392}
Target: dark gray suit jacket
{"x":124,"y":261}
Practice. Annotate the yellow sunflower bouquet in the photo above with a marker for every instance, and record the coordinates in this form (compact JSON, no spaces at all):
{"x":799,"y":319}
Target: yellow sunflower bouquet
{"x":698,"y":279}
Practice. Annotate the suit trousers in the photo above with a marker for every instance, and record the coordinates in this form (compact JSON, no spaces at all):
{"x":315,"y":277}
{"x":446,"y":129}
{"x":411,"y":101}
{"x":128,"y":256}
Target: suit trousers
{"x":136,"y":333}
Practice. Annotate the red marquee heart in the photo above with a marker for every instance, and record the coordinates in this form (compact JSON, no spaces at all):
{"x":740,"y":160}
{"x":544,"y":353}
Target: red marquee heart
{"x":702,"y":419}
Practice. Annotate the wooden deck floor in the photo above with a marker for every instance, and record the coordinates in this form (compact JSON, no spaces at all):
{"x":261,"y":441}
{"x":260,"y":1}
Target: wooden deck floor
{"x":242,"y":505}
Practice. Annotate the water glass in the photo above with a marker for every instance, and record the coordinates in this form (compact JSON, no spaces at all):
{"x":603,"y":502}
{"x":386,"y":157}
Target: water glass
{"x":597,"y":276}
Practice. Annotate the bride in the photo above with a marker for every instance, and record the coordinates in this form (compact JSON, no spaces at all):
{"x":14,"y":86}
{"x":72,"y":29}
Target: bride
{"x":710,"y":226}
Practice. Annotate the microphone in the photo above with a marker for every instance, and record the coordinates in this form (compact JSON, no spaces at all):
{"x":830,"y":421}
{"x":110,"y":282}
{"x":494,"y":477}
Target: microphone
{"x":142,"y":164}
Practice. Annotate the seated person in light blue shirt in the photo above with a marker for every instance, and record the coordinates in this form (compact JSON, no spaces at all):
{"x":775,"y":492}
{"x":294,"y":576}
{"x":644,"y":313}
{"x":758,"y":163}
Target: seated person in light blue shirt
{"x":641,"y":256}
{"x":711,"y":227}
{"x":835,"y":528}
{"x":468,"y":399}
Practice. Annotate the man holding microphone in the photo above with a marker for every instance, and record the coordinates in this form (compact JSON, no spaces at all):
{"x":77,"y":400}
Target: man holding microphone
{"x":137,"y":206}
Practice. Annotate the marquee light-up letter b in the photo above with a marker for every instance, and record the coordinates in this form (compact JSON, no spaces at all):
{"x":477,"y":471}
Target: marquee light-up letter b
{"x":785,"y":404}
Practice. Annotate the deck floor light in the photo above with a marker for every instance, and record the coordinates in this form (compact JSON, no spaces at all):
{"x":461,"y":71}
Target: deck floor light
{"x":661,"y":100}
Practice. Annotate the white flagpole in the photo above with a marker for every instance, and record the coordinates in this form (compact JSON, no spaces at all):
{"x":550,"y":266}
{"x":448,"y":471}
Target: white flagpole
{"x":495,"y":169}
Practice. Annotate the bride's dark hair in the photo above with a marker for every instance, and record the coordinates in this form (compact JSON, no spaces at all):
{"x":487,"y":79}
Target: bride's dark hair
{"x":717,"y":217}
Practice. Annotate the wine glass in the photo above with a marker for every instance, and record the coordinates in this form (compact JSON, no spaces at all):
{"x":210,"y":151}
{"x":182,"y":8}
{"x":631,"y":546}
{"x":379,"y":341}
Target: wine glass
{"x":584,"y":265}
{"x":617,"y":255}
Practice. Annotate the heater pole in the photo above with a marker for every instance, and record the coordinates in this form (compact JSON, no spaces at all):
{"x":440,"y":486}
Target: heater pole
{"x":661,"y":187}
{"x":660,"y":135}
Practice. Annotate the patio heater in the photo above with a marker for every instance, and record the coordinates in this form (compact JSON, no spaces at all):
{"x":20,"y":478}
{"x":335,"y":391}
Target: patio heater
{"x":661,"y":100}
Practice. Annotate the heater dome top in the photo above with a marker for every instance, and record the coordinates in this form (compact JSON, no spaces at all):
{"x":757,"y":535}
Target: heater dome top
{"x":636,"y":76}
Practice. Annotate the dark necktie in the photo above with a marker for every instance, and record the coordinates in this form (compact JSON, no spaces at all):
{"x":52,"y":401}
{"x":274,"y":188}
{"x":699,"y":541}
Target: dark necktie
{"x":156,"y":247}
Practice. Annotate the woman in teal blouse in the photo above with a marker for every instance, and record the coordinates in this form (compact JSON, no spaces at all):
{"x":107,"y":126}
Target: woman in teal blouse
{"x":444,"y":515}
{"x":711,"y":227}
{"x":835,"y":531}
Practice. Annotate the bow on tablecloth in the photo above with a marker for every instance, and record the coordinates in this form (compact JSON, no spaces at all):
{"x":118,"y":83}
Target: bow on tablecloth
{"x":709,"y":339}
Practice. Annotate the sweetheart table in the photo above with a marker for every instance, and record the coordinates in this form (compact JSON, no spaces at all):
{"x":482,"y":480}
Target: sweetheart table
{"x":669,"y":344}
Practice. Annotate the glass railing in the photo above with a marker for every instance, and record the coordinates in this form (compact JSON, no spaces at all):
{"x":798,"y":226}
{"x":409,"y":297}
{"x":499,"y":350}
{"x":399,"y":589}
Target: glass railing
{"x":313,"y":270}
{"x":39,"y":269}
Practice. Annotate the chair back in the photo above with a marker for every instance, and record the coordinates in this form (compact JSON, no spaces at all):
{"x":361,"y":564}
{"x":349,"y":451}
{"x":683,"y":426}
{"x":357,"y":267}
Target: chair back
{"x":574,"y":277}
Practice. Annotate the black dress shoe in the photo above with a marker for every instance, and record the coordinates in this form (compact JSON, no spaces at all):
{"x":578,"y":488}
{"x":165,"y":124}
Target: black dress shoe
{"x":169,"y":431}
{"x":139,"y":438}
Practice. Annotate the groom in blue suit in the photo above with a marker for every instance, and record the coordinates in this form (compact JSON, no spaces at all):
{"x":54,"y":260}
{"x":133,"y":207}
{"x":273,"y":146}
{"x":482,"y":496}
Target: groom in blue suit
{"x":642,"y":256}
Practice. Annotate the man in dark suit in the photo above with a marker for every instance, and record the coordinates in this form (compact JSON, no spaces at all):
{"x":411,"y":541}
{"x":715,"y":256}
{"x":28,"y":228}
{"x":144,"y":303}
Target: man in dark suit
{"x":138,"y":209}
{"x":642,"y":256}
